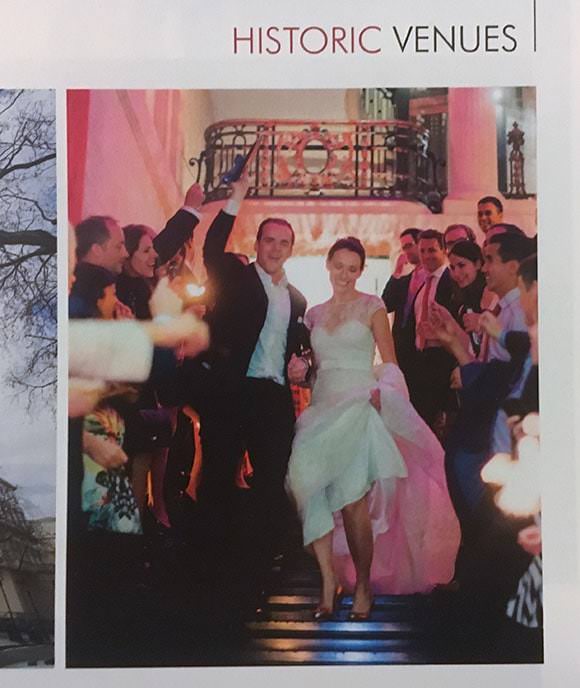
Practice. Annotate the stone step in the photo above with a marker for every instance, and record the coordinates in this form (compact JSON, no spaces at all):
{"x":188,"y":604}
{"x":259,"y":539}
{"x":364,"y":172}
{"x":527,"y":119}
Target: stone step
{"x":341,"y":614}
{"x":310,"y":598}
{"x":331,"y":644}
{"x":330,"y":657}
{"x":334,"y":628}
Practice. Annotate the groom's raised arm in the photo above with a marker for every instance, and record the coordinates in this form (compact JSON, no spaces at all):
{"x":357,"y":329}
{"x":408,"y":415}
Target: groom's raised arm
{"x":220,"y":229}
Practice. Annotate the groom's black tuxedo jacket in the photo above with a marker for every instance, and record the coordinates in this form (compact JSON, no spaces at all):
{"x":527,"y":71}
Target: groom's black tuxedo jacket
{"x":241,"y":304}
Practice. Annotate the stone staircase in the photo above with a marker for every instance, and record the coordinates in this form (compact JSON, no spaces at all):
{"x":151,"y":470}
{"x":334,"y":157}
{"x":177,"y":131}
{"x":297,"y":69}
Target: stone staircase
{"x":400,"y":630}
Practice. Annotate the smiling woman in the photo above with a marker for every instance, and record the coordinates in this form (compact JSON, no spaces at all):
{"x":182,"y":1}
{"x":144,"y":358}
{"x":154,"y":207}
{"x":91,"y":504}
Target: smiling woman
{"x":134,"y":286}
{"x":345,"y":263}
{"x":471,"y":296}
{"x":349,"y":458}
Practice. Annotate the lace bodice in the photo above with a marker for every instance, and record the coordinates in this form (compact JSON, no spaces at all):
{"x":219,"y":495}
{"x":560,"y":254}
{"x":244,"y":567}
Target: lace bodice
{"x":341,"y":334}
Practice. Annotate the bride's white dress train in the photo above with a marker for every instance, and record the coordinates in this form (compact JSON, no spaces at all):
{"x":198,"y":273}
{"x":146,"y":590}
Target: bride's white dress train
{"x":344,"y":448}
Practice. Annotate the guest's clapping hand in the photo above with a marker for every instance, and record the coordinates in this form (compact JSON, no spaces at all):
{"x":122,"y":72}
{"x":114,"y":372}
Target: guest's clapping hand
{"x":450,"y":334}
{"x":375,"y":399}
{"x":297,"y":369}
{"x":123,"y":312}
{"x":164,"y":300}
{"x":194,"y":196}
{"x":400,"y":265}
{"x":426,"y":330}
{"x":471,"y":322}
{"x":444,"y":328}
{"x":530,"y":540}
{"x":490,"y":325}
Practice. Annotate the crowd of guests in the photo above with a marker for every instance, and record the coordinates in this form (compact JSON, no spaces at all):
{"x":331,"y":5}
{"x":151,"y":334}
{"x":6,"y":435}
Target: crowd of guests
{"x":465,"y":331}
{"x":145,"y":377}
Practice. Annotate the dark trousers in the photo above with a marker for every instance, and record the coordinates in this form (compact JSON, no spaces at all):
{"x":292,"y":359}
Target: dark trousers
{"x":257,"y":416}
{"x":267,"y":416}
{"x":244,"y":528}
{"x":265,"y":515}
{"x":217,"y":401}
{"x":428,"y":381}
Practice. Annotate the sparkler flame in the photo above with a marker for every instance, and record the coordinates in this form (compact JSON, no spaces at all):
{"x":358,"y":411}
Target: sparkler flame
{"x":195,"y":290}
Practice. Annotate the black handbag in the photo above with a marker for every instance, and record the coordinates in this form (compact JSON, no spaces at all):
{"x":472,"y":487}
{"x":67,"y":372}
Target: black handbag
{"x":157,"y":427}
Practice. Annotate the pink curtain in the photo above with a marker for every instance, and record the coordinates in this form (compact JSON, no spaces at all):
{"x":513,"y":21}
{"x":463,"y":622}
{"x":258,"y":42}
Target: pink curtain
{"x":78,"y":105}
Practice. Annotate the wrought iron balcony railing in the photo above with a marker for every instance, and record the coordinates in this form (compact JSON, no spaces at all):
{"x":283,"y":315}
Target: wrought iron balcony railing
{"x":385,"y":159}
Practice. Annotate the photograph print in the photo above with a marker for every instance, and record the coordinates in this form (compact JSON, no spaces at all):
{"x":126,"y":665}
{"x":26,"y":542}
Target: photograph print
{"x":303,"y":378}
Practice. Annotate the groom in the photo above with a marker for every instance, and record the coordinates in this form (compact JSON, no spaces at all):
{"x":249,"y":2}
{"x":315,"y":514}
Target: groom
{"x":256,"y":327}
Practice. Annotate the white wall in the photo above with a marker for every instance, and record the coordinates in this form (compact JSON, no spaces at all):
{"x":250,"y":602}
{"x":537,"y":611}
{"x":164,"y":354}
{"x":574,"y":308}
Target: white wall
{"x":282,"y":104}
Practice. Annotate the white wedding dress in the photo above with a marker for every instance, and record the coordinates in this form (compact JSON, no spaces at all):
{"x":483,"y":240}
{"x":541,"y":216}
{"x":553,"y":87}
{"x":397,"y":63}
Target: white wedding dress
{"x":344,"y":448}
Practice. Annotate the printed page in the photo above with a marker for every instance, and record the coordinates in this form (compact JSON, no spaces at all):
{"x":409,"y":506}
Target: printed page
{"x":281,"y":404}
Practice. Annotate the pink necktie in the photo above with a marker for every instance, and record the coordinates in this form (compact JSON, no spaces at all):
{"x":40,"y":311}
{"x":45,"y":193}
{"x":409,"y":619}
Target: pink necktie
{"x":424,"y":317}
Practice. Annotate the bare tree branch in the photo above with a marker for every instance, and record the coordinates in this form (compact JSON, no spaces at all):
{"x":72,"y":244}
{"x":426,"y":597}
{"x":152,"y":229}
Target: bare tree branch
{"x":37,"y":205}
{"x":21,"y":259}
{"x":12,"y":102}
{"x":28,"y":242}
{"x":26,"y":165}
{"x":45,"y":241}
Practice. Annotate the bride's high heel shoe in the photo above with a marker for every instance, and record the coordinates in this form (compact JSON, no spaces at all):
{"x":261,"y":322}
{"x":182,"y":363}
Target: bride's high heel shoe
{"x":322,"y":613}
{"x":362,"y":616}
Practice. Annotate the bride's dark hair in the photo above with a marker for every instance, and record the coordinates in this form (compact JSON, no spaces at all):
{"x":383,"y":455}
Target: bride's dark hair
{"x":350,"y":244}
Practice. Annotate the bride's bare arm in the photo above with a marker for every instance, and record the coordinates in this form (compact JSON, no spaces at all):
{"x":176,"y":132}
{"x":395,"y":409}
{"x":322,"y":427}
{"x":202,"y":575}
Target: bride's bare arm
{"x":384,"y":339}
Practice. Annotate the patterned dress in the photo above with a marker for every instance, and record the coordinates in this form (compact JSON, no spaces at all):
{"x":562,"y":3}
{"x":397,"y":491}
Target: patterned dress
{"x":107,"y":495}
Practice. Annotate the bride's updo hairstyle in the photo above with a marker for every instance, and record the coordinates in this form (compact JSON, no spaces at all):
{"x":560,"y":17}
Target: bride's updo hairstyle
{"x":350,"y":244}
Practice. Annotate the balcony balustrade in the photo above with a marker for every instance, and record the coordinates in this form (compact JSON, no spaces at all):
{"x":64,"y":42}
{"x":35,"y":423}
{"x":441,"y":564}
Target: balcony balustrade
{"x":379,"y":159}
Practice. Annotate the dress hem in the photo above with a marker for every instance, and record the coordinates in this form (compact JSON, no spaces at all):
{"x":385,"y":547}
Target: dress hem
{"x":340,"y":508}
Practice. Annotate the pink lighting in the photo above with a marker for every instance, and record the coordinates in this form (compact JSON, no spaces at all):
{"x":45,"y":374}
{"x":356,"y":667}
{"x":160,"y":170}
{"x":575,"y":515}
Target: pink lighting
{"x":472,"y":147}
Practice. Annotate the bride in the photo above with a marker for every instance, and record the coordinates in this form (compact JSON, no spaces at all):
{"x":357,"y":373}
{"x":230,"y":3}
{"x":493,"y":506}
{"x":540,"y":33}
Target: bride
{"x":366,"y":472}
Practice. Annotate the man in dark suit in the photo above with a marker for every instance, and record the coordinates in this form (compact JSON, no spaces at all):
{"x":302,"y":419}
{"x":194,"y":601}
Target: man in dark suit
{"x":399,"y":294}
{"x":256,"y":327}
{"x":428,"y":379}
{"x":100,"y":242}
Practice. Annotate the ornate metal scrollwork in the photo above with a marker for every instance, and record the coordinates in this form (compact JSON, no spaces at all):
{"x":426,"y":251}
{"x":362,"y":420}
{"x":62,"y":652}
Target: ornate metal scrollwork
{"x":303,"y":159}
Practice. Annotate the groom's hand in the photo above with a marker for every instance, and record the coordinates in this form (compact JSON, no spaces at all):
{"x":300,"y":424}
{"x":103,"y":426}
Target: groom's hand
{"x":297,"y":370}
{"x":240,"y":188}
